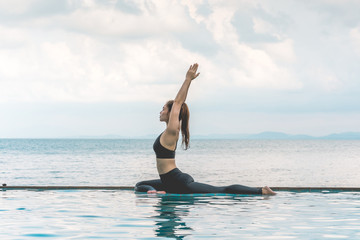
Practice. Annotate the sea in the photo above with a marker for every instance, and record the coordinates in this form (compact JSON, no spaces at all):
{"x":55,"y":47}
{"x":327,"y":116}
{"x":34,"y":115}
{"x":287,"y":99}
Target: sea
{"x":123,"y":162}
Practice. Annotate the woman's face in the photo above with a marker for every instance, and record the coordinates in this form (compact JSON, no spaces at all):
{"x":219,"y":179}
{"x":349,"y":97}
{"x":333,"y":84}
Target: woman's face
{"x":164,"y":114}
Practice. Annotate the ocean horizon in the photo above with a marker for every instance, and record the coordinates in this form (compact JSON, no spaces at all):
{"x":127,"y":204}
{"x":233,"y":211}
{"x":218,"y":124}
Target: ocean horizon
{"x":267,"y":135}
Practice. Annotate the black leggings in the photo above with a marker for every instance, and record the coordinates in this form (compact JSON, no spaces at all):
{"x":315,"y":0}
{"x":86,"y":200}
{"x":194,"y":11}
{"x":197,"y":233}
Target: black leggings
{"x":176,"y":181}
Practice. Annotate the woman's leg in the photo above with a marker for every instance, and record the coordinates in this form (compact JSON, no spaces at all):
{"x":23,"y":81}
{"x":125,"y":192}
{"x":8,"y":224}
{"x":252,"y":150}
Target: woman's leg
{"x":196,"y":187}
{"x":150,"y":185}
{"x":176,"y":181}
{"x":240,"y":189}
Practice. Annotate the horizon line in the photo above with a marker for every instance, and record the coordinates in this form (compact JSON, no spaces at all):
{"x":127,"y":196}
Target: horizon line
{"x":260,"y":135}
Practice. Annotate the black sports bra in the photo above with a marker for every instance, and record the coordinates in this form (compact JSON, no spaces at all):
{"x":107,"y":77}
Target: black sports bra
{"x":161,"y":151}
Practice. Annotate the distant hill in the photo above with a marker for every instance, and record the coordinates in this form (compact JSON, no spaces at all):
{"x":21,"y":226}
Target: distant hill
{"x":343,"y":136}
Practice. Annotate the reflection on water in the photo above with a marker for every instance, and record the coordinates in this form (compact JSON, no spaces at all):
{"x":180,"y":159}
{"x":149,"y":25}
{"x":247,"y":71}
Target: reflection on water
{"x":169,"y":217}
{"x":171,"y":210}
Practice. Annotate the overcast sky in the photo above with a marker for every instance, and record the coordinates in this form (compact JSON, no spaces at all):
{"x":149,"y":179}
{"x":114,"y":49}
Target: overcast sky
{"x":88,"y":68}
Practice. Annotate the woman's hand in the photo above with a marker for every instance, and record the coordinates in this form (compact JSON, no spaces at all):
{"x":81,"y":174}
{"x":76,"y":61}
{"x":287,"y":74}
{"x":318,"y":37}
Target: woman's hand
{"x":181,"y":96}
{"x":191,"y":73}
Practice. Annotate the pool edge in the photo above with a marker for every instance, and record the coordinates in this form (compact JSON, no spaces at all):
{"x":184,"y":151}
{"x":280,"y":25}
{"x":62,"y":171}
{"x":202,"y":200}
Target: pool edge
{"x":288,"y":189}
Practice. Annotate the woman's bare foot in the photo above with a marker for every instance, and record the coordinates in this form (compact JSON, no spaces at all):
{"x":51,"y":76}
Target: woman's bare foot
{"x":154,"y":192}
{"x":267,"y":191}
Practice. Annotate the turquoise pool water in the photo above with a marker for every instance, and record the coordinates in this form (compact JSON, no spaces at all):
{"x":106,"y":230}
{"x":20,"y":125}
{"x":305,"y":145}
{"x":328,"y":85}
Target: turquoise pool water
{"x":87,"y":214}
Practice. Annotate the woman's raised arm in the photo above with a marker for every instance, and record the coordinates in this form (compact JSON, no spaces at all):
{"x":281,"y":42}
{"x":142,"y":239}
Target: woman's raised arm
{"x":190,"y":75}
{"x":173,"y":126}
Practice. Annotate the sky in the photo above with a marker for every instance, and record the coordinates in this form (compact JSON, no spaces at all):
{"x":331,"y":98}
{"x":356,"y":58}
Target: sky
{"x":93,"y":68}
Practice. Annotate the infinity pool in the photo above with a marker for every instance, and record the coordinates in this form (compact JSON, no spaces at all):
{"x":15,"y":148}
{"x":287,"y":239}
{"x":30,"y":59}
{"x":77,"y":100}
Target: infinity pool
{"x":86,"y":214}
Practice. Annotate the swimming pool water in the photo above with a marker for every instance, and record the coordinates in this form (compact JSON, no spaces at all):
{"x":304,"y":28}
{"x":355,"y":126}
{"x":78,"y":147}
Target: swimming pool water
{"x":86,"y":214}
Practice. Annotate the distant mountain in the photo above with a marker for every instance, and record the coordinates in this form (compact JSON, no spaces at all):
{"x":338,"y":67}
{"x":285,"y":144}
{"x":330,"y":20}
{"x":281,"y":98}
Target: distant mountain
{"x":343,"y":136}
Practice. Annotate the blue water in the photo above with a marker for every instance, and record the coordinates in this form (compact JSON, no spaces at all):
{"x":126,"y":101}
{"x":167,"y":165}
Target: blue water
{"x":123,"y":214}
{"x":281,"y":163}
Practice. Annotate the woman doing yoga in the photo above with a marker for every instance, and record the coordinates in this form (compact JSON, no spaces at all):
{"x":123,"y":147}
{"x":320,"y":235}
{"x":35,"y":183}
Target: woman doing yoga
{"x":175,"y":114}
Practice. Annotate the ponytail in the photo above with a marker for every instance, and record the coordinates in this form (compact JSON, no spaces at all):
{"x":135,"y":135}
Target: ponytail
{"x":184,"y":119}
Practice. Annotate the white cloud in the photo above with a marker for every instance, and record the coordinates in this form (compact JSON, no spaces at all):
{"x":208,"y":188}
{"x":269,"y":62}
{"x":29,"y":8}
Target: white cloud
{"x":155,"y":18}
{"x":97,"y":52}
{"x":258,"y":70}
{"x":355,"y":37}
{"x":76,"y":69}
{"x":15,"y":6}
{"x":62,"y":65}
{"x":250,"y":66}
{"x":282,"y":51}
{"x":326,"y":79}
{"x":11,"y":37}
{"x":263,"y":27}
{"x":193,"y":6}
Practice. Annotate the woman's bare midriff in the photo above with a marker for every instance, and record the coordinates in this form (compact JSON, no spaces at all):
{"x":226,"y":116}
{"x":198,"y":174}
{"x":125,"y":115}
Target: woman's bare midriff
{"x":165,"y":165}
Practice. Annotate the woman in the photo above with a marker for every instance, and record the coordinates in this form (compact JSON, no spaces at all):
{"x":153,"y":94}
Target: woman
{"x":176,"y":115}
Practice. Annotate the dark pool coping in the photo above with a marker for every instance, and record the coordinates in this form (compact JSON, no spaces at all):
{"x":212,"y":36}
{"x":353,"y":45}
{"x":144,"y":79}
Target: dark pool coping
{"x":288,"y":189}
{"x":66,"y":188}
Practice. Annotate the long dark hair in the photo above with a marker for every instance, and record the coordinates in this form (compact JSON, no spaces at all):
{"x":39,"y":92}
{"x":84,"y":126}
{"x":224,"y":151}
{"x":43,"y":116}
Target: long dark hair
{"x":184,"y":118}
